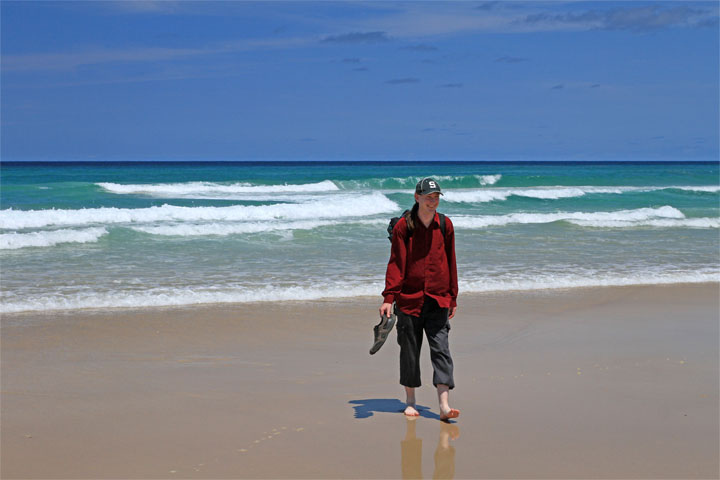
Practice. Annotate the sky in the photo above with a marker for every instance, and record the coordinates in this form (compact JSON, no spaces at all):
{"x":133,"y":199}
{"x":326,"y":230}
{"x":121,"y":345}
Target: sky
{"x":471,"y":80}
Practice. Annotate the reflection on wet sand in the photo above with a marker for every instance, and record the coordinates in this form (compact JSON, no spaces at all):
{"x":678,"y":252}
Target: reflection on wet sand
{"x":411,"y":451}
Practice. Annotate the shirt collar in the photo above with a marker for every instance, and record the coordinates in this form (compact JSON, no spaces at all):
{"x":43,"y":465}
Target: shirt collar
{"x":435,"y":220}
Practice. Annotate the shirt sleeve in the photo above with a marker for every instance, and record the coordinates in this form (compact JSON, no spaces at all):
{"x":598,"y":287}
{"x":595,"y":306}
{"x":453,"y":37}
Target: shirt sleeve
{"x":452,"y":266}
{"x":396,"y":266}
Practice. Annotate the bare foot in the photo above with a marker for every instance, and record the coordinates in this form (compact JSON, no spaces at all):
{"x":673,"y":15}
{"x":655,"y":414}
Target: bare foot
{"x":410,"y":411}
{"x":448,"y":413}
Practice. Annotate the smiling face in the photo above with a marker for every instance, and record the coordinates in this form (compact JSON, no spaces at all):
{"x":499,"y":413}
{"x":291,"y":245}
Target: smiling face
{"x":429,"y":202}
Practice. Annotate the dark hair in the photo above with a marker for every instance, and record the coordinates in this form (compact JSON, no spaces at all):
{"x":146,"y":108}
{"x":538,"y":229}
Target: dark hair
{"x":411,"y":216}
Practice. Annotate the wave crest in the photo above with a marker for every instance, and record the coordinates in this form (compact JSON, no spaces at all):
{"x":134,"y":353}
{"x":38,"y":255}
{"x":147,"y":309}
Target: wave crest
{"x":340,"y":207}
{"x":665,"y":216}
{"x":556,"y":192}
{"x":169,"y":296}
{"x":408,"y":183}
{"x":14,"y":241}
{"x":201,"y":189}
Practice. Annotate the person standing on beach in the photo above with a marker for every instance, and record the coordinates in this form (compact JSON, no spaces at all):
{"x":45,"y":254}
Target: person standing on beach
{"x":421,"y":279}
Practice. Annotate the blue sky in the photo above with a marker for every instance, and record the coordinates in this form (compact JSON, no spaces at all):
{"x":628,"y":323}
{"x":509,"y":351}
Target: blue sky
{"x":150,"y":80}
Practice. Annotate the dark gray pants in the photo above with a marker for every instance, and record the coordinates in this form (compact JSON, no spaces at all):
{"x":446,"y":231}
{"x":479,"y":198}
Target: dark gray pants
{"x":434,"y":321}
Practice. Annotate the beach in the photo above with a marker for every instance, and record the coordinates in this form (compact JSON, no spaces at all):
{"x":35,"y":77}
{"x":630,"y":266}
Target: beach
{"x":602,"y":382}
{"x":197,"y":203}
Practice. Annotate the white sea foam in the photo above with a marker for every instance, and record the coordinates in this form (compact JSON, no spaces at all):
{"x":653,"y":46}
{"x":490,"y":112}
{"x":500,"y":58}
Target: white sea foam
{"x":189,"y":230}
{"x":711,"y":189}
{"x":13,"y":241}
{"x":163,"y":297}
{"x":169,"y":296}
{"x":249,"y":191}
{"x":259,"y":197}
{"x":546,"y":193}
{"x":549,"y":193}
{"x":407,"y":184}
{"x":223,"y":229}
{"x":488,"y":179}
{"x":201,"y":189}
{"x":629,"y":217}
{"x":475,"y":196}
{"x":549,"y":282}
{"x":341,"y":206}
{"x":554,"y":192}
{"x":482,"y":179}
{"x":651,"y":222}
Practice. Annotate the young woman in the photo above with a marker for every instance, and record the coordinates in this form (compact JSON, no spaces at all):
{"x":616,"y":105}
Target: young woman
{"x":421,"y":280}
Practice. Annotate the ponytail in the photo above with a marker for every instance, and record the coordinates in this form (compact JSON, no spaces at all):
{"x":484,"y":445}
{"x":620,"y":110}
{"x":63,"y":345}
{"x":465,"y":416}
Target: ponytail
{"x":411,"y":216}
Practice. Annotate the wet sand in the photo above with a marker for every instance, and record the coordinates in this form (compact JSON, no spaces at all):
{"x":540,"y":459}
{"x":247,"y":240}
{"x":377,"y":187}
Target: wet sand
{"x":582,"y":383}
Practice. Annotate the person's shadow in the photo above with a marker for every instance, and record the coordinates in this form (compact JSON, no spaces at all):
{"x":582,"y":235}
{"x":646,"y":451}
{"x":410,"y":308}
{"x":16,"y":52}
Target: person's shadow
{"x":367,"y":408}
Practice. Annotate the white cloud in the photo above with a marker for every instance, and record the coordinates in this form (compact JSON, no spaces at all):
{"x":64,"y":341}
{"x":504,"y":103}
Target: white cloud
{"x":71,"y":60}
{"x":419,"y":19}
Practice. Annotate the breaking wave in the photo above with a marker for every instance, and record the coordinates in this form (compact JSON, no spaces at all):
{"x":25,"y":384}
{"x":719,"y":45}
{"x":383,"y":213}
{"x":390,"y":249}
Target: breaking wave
{"x":408,"y":183}
{"x":340,"y":207}
{"x":212,"y":190}
{"x":201,"y":189}
{"x":202,"y":229}
{"x":553,"y":282}
{"x":169,"y":297}
{"x":555,"y":193}
{"x":13,"y":241}
{"x":665,"y":216}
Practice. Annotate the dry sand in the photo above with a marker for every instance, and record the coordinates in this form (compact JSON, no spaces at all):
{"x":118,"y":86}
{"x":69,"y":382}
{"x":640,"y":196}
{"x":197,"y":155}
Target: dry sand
{"x":583,"y":383}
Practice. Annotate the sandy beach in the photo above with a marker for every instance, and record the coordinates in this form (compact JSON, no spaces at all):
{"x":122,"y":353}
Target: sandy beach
{"x":617,"y":382}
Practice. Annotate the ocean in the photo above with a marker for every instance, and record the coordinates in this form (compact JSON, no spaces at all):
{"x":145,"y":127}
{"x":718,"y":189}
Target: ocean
{"x":152,"y":234}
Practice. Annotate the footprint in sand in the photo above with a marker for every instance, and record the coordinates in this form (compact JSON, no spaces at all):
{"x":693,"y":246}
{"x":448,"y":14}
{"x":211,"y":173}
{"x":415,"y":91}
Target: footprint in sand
{"x":268,"y":436}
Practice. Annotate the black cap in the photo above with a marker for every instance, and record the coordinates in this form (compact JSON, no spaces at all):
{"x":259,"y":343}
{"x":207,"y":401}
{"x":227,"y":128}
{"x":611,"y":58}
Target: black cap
{"x":427,"y":185}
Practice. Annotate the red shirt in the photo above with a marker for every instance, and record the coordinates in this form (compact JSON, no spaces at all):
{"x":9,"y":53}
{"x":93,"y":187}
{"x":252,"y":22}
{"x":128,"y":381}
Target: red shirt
{"x":424,"y":265}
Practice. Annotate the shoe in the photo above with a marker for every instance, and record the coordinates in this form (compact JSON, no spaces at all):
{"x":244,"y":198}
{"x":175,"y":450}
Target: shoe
{"x":381,"y":331}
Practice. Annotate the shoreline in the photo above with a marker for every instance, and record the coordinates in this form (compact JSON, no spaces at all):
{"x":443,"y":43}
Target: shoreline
{"x":615,"y":382}
{"x":363,"y":298}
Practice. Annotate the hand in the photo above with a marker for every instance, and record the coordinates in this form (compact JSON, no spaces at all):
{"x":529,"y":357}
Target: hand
{"x":452,"y":312}
{"x":386,"y":310}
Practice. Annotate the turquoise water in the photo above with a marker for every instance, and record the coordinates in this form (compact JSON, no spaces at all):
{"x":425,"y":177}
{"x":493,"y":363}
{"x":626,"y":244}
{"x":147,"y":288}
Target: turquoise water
{"x":98,"y":235}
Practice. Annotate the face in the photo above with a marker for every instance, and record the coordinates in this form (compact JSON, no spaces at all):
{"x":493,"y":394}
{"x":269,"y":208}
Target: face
{"x":429,"y":201}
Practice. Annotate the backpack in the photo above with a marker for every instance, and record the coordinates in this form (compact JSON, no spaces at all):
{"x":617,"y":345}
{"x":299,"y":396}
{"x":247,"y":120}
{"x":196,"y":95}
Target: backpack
{"x":394,"y":220}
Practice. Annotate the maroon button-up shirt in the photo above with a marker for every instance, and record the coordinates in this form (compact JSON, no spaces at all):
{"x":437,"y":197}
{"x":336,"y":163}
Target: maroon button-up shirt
{"x":422,"y":265}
